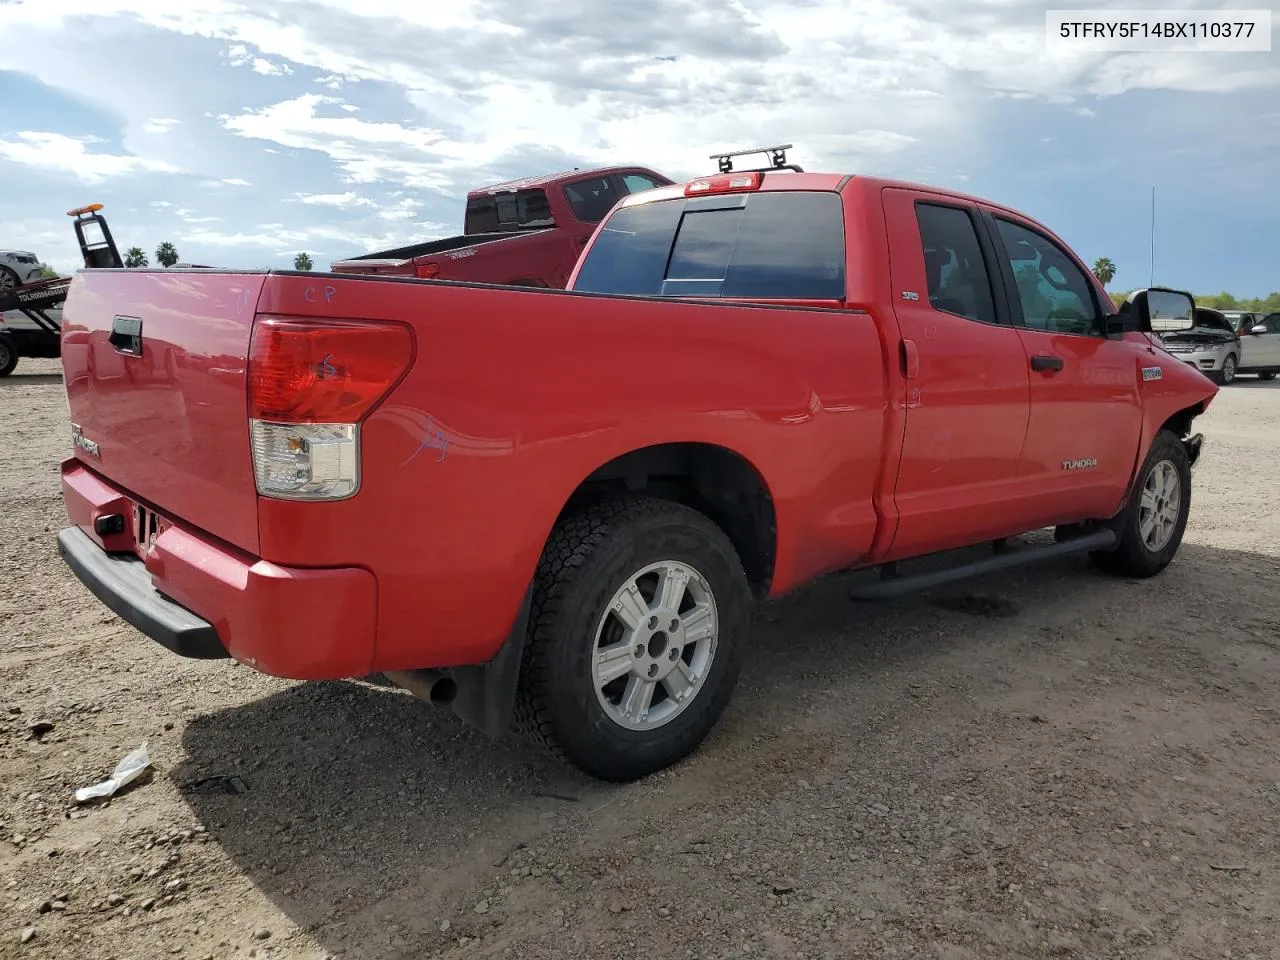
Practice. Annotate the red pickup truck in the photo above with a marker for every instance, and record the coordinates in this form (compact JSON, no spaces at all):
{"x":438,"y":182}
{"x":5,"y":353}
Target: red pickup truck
{"x":526,"y":232}
{"x":556,"y":507}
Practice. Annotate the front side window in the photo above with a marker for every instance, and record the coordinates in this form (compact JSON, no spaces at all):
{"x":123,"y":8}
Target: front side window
{"x":591,"y":200}
{"x":637,"y":183}
{"x":1052,"y":290}
{"x":957,"y":274}
{"x":788,"y":245}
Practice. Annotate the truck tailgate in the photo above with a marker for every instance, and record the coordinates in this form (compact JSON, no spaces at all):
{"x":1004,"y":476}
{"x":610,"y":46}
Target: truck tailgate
{"x":155,"y":365}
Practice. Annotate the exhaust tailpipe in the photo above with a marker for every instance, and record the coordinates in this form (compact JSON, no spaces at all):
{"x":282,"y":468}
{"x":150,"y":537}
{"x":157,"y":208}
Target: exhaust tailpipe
{"x":430,"y":685}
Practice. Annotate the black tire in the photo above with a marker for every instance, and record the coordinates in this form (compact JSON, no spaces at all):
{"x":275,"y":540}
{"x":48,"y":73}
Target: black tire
{"x":1135,"y":556}
{"x":591,"y":554}
{"x":8,"y":355}
{"x":1267,"y":375}
{"x":13,"y":283}
{"x":1227,"y":375}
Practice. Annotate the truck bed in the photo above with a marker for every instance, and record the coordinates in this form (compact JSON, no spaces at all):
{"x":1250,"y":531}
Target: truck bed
{"x":404,"y":256}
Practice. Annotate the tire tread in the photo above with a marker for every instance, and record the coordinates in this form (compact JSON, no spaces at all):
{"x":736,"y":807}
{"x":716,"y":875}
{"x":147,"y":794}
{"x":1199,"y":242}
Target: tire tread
{"x":565,"y":560}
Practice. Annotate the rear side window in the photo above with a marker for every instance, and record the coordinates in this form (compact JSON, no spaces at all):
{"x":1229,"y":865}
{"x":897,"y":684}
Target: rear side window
{"x":959,"y":281}
{"x":523,"y":210}
{"x":784,"y":246}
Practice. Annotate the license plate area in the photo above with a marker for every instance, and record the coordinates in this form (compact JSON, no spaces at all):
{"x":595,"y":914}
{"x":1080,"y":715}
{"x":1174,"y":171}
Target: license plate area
{"x":147,"y":526}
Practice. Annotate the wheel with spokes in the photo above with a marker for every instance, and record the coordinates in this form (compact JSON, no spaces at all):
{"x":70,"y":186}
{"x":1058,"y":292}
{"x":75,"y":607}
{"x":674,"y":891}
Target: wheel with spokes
{"x":1227,"y":375}
{"x":639,"y":618}
{"x":1151,"y":525}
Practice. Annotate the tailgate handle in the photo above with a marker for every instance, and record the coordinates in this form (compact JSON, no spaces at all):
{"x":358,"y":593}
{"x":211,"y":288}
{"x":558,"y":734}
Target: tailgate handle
{"x":126,"y":335}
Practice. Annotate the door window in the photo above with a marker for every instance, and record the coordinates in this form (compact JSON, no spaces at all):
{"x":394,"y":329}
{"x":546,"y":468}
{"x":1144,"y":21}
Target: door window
{"x":591,"y":200}
{"x":1271,"y":321}
{"x":1052,"y":290}
{"x":958,"y":276}
{"x":637,"y":182}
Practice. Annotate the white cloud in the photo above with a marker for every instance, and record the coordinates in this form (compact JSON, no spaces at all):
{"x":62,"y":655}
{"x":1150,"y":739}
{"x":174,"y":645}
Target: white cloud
{"x":58,"y":153}
{"x":348,"y":199}
{"x":238,"y":55}
{"x":365,"y":151}
{"x":160,"y":125}
{"x":405,"y":209}
{"x":188,"y":216}
{"x":664,"y":82}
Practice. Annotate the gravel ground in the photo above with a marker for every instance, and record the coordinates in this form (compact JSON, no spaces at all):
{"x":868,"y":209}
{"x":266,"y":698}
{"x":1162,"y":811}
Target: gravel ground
{"x":1048,"y":764}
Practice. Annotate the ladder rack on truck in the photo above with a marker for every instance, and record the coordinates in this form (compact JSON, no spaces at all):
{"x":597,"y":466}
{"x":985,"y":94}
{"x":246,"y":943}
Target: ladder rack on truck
{"x":777,"y":159}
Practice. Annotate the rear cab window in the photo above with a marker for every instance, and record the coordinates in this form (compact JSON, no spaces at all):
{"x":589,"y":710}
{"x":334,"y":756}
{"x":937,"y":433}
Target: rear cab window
{"x":520,"y":210}
{"x":784,"y":245}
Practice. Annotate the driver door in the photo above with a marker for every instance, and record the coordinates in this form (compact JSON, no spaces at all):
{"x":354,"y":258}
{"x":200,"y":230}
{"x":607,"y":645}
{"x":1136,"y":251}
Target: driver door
{"x":1261,"y":349}
{"x":1085,"y":422}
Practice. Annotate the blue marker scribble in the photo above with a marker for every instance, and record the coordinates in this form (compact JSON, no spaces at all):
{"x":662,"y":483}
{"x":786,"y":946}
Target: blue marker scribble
{"x":326,"y":369}
{"x":431,"y":440}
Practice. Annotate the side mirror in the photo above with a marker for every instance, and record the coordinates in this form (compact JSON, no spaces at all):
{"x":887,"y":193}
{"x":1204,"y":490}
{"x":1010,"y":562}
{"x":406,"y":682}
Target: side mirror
{"x":1258,"y":329}
{"x":1160,"y":310}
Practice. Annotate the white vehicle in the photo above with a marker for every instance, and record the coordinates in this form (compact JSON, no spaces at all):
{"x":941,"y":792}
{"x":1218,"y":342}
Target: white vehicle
{"x":1260,"y":339}
{"x":17,"y":268}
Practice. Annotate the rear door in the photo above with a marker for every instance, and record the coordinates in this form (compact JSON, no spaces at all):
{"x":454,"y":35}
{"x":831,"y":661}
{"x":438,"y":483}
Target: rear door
{"x":966,"y":379}
{"x":1085,"y":423}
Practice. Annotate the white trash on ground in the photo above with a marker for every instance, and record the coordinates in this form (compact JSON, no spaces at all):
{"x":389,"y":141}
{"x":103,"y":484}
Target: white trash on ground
{"x":127,"y":770}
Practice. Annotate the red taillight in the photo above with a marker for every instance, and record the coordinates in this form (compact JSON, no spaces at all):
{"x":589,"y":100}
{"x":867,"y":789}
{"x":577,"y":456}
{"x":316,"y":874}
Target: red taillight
{"x":724,"y":183}
{"x":427,"y":271}
{"x":323,"y":371}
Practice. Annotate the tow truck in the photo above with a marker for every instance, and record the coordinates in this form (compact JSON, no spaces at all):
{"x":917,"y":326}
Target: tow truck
{"x":31,"y":315}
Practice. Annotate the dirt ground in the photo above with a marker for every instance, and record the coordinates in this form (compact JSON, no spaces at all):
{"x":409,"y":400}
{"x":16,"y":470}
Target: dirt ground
{"x":1048,"y":764}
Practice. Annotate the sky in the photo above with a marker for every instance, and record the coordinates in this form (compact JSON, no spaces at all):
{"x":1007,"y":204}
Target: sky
{"x":245,"y":131}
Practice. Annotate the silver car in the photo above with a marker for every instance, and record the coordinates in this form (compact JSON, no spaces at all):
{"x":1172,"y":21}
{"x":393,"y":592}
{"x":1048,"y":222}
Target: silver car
{"x":18,"y":267}
{"x":1260,"y":345}
{"x":1211,"y":346}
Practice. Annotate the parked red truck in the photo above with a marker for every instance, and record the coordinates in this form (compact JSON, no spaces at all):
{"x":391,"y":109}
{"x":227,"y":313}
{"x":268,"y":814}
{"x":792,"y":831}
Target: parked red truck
{"x":526,"y":232}
{"x":558,"y":506}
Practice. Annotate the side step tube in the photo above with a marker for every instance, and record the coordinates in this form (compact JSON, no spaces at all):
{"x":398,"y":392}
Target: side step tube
{"x":891,"y":587}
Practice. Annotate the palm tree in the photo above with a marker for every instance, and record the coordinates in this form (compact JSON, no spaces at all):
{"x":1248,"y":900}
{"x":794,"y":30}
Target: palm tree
{"x":166,"y":254}
{"x":1104,"y":270}
{"x":302,"y":261}
{"x":134,"y":257}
